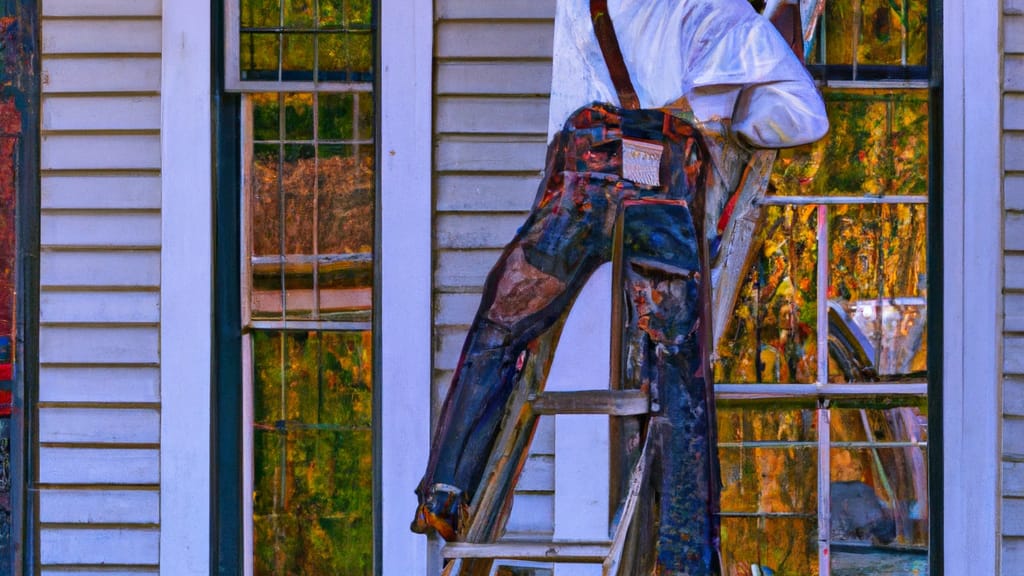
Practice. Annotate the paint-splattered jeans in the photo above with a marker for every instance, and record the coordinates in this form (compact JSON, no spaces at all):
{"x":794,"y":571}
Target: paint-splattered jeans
{"x":568,"y":235}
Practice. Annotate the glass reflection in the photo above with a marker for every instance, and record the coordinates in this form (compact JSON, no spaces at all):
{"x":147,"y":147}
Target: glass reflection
{"x":312,"y":483}
{"x":772,"y":336}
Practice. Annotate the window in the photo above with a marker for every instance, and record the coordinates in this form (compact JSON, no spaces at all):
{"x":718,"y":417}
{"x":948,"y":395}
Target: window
{"x":308,"y":188}
{"x":823,"y":366}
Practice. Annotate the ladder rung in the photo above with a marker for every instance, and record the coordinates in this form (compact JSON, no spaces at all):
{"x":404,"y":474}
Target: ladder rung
{"x":536,"y":551}
{"x":610,"y":402}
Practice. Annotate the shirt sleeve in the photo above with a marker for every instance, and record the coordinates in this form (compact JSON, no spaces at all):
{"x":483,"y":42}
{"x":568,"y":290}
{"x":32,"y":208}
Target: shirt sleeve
{"x":731,"y":45}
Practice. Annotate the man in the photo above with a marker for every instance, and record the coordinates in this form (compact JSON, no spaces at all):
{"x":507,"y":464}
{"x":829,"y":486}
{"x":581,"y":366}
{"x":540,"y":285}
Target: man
{"x":716,"y":61}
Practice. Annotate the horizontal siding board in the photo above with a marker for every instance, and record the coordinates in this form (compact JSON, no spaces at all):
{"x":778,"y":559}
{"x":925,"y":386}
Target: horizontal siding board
{"x":492,"y":115}
{"x":99,"y":307}
{"x":544,"y":437}
{"x":101,"y":36}
{"x":105,"y":384}
{"x":101,"y":8}
{"x":1013,"y":34}
{"x":1013,"y":356}
{"x":456,"y":309}
{"x":1013,"y":396}
{"x":99,"y":425}
{"x":470,"y":9}
{"x":99,"y":506}
{"x":114,"y":229}
{"x":80,"y":345}
{"x":75,"y":571}
{"x":100,"y":152}
{"x":101,"y":113}
{"x":1013,"y":151}
{"x":1013,"y":479}
{"x":533,"y":513}
{"x":1013,"y":554}
{"x":1013,"y":6}
{"x":102,"y":75}
{"x":476,"y":193}
{"x":129,"y":268}
{"x":100,"y":192}
{"x":1014,"y":232}
{"x":1013,"y":112}
{"x":1013,"y":517}
{"x":495,"y":78}
{"x":1013,"y":72}
{"x":1013,"y":266}
{"x":538,"y":474}
{"x":466,"y":153}
{"x":449,"y":348}
{"x":1014,"y":186}
{"x":467,"y":269}
{"x":99,"y":546}
{"x":1013,"y":437}
{"x":495,"y":39}
{"x":99,"y":466}
{"x":1013,"y":309}
{"x":472,"y":231}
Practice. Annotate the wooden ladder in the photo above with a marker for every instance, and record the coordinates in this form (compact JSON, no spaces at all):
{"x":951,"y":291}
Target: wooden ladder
{"x":475,"y":556}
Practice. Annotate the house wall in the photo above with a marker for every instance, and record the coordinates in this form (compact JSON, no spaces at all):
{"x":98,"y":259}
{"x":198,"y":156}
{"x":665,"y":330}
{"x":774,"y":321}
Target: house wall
{"x":99,"y":387}
{"x":492,"y":81}
{"x":1013,"y":304}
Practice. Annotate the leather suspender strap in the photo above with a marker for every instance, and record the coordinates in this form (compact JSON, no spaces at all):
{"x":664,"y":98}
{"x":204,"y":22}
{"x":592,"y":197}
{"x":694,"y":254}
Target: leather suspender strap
{"x":605,"y":32}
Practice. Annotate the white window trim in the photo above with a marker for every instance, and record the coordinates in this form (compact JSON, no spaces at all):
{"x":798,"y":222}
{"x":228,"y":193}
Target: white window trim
{"x":972,"y":233}
{"x":972,"y":281}
{"x":186,"y":260}
{"x":186,"y":304}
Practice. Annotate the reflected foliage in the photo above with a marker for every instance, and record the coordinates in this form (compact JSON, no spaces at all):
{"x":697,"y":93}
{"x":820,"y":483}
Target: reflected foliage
{"x":332,"y":39}
{"x":313,"y":444}
{"x":772,"y":335}
{"x":879,"y":32}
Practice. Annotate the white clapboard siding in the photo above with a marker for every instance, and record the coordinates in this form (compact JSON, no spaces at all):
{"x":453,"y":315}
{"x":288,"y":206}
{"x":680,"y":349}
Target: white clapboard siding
{"x":99,"y":192}
{"x":491,"y":154}
{"x":471,"y":231}
{"x":491,"y":115}
{"x":128,"y":268}
{"x":75,"y":151}
{"x":493,"y":78}
{"x":498,"y":77}
{"x":99,"y":425}
{"x":112,"y":229}
{"x":101,"y":75}
{"x":486,"y":193}
{"x":116,"y":112}
{"x":121,"y":36}
{"x":100,"y":506}
{"x":509,"y":39}
{"x":96,"y":8}
{"x":99,"y":307}
{"x":1013,"y":303}
{"x":102,"y":384}
{"x":106,"y":466}
{"x":99,"y":345}
{"x":100,"y":234}
{"x":100,"y":546}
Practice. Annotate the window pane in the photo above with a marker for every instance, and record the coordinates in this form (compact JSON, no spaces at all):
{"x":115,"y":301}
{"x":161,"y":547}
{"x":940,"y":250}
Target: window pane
{"x":771,"y":337}
{"x":313,"y":461}
{"x":783,"y":545}
{"x":879,"y":478}
{"x":260,"y":54}
{"x":261,"y":13}
{"x":878,"y":283}
{"x":892,"y":32}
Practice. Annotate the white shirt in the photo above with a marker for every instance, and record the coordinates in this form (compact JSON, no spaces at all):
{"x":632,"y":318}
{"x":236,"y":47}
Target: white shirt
{"x":726,"y":59}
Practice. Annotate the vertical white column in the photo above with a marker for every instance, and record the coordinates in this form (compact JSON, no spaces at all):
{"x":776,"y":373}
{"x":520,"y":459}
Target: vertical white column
{"x":406,"y":30}
{"x":582,"y":461}
{"x":185,"y":289}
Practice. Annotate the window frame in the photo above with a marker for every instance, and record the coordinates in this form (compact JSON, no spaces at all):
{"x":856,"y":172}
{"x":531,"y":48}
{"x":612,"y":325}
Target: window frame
{"x":402,"y":266}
